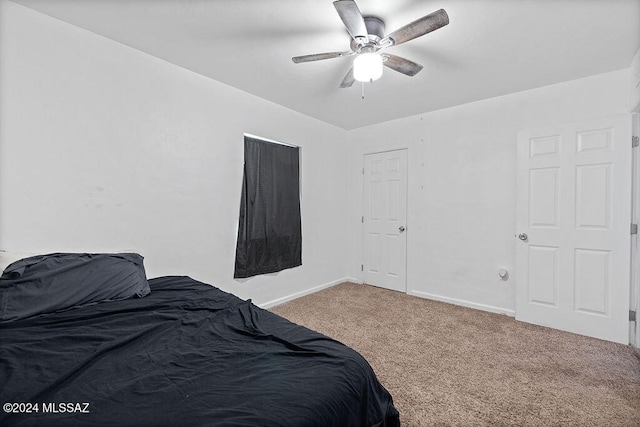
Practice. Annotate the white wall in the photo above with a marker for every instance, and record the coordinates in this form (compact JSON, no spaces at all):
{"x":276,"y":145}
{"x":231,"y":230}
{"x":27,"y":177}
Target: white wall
{"x":462,"y":186}
{"x":105,"y":148}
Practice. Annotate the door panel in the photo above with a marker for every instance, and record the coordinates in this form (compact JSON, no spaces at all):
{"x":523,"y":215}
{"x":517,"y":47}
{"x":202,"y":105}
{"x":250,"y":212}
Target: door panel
{"x":543,"y":275}
{"x":592,"y":281}
{"x":574,"y":204}
{"x":593,"y":189}
{"x":384,"y":219}
{"x":543,"y":197}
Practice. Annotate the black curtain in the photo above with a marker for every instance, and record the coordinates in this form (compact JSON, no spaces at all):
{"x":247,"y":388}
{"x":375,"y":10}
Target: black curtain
{"x":269,"y":230}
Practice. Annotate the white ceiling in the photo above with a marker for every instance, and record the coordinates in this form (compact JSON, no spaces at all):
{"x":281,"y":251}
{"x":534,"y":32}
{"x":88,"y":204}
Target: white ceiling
{"x":490,"y":47}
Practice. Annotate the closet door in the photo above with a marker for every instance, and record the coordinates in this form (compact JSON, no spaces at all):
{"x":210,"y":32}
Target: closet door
{"x":385,"y":220}
{"x":573,"y":227}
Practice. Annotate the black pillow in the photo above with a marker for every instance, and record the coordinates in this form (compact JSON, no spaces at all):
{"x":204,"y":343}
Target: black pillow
{"x":49,"y":283}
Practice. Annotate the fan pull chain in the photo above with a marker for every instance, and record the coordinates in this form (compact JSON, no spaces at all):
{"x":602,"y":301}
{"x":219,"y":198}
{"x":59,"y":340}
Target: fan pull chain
{"x":363,"y":83}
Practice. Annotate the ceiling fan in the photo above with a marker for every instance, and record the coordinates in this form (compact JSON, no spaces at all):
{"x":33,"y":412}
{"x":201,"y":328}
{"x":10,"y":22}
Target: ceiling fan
{"x":368,"y":42}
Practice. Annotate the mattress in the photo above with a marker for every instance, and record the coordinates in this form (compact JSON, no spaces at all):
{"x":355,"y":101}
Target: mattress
{"x":185,"y":354}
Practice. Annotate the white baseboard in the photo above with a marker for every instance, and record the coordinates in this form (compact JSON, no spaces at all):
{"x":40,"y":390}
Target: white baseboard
{"x":455,"y":301}
{"x":291,"y":297}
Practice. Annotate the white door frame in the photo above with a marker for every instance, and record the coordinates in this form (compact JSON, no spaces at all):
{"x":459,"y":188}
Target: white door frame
{"x":378,"y":150}
{"x":634,"y":327}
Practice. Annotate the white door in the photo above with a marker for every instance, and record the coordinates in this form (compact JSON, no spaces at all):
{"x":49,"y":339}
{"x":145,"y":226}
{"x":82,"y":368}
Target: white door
{"x":573,"y":227}
{"x":385,"y":219}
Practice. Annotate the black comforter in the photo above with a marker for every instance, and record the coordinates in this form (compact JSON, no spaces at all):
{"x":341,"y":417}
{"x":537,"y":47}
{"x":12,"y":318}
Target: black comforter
{"x":187,"y":354}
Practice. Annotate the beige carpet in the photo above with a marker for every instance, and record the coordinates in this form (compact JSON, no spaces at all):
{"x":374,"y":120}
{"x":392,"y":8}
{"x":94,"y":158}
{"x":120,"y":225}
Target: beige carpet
{"x":454,"y":366}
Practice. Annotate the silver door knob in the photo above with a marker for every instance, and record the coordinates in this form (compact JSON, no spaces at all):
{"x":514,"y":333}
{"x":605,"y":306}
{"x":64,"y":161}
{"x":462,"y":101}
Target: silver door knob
{"x":401,"y":229}
{"x":523,"y":237}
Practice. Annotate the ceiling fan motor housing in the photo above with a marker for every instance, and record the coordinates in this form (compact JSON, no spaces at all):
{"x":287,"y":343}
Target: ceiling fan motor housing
{"x":375,"y":30}
{"x":375,"y":27}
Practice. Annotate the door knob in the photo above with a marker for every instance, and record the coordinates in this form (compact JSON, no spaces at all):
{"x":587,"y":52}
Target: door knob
{"x":523,"y":237}
{"x":401,"y":229}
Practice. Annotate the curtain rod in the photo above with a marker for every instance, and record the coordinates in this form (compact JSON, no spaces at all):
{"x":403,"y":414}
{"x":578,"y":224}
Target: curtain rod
{"x":270,"y":140}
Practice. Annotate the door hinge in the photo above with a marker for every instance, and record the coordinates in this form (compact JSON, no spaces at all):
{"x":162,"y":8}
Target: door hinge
{"x":634,"y":228}
{"x":632,"y":316}
{"x":363,"y":220}
{"x":635,"y":141}
{"x":362,"y":171}
{"x":361,"y":267}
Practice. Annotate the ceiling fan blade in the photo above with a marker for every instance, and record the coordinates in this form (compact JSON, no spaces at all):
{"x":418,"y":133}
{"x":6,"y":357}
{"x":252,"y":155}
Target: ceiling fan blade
{"x":419,"y":27}
{"x":402,"y":65}
{"x":348,"y":79}
{"x":319,"y":56}
{"x":352,"y":18}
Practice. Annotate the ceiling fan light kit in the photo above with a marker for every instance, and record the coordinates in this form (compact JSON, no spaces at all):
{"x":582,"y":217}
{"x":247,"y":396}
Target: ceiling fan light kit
{"x":367,"y":67}
{"x":368,"y":42}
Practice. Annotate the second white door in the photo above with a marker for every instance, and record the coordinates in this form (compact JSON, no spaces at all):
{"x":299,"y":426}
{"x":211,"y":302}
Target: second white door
{"x":385,"y":220}
{"x":574,"y":215}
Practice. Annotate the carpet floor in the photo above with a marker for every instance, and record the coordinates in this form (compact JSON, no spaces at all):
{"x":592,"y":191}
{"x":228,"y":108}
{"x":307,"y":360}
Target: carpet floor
{"x":447,"y":365}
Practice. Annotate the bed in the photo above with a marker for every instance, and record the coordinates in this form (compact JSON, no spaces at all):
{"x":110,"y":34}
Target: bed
{"x":168,"y":351}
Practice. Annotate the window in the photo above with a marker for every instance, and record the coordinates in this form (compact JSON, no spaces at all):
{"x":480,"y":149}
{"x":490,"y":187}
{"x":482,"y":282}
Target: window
{"x":269,"y":229}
